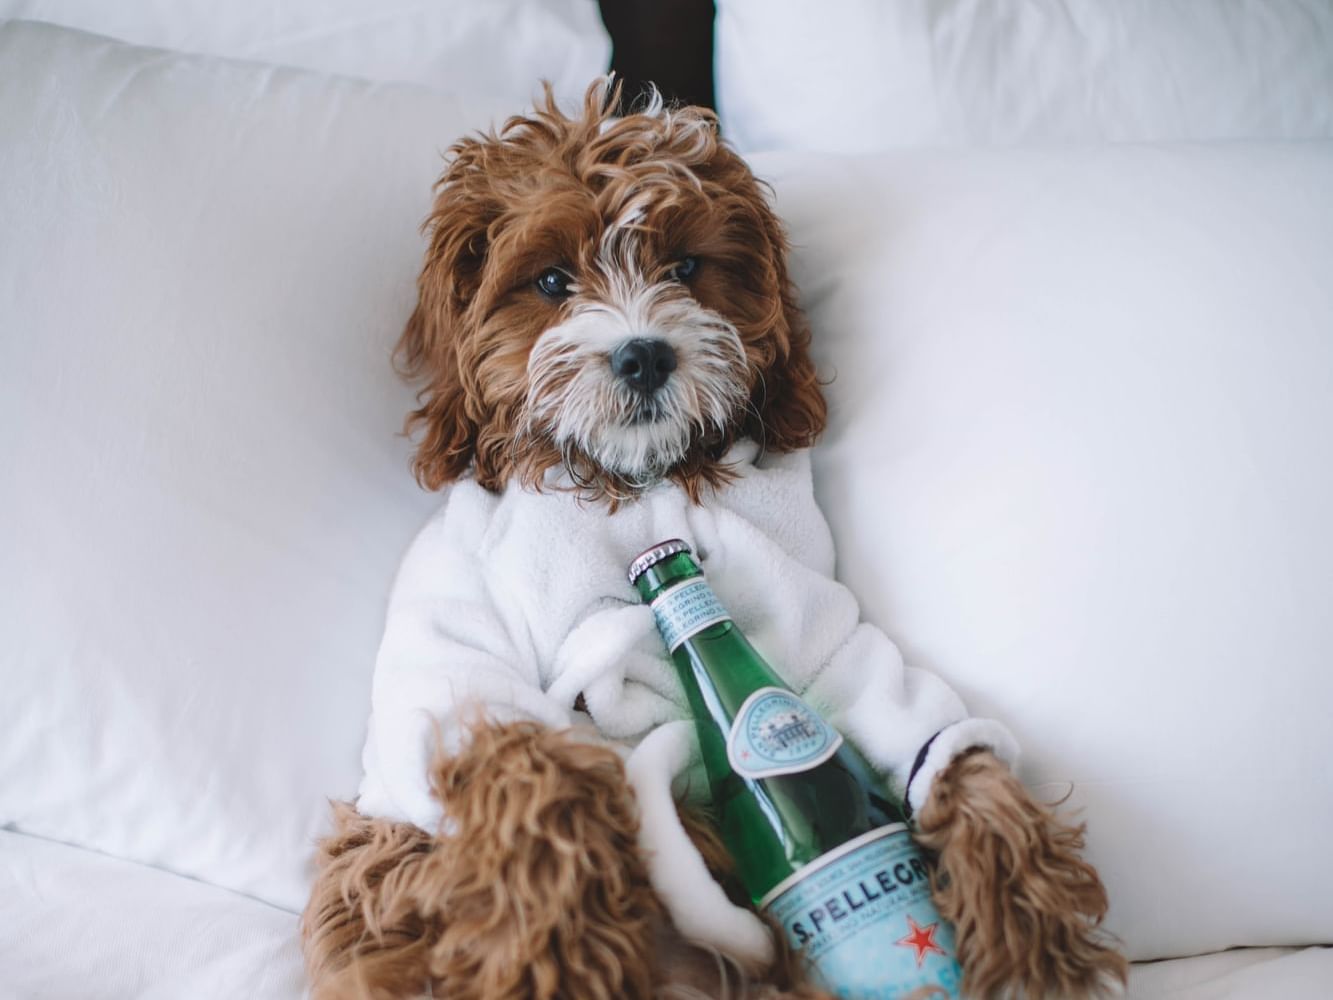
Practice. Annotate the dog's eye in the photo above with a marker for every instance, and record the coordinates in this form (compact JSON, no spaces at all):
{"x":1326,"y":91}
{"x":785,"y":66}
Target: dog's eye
{"x":685,"y":269}
{"x":554,"y":283}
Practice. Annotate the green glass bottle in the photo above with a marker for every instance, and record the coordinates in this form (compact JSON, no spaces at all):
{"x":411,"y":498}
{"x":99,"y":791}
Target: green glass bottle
{"x":819,"y":842}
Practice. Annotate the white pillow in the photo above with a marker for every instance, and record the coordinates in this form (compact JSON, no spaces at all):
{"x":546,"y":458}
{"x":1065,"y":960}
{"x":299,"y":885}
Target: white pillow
{"x":1079,"y":465}
{"x":863,"y":75}
{"x":496,"y":47}
{"x":203,"y":268}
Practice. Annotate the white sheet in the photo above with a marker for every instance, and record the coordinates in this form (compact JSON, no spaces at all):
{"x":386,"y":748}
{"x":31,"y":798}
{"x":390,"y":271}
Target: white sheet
{"x":1242,"y":974}
{"x":76,"y":925}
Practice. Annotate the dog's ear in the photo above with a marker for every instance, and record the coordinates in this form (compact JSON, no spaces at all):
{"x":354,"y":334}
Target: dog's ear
{"x":788,"y":401}
{"x":432,"y":347}
{"x":787,"y":408}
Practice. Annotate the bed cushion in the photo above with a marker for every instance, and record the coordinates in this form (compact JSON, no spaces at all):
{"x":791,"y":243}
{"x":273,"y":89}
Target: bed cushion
{"x":874,"y":75}
{"x":1078,"y":465}
{"x":494,"y":47}
{"x":203,"y":268}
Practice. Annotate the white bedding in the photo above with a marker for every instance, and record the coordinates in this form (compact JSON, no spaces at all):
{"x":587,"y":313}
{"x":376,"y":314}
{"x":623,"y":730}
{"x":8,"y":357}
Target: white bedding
{"x":864,"y":75}
{"x":76,"y":925}
{"x":1241,"y":974}
{"x":500,"y":48}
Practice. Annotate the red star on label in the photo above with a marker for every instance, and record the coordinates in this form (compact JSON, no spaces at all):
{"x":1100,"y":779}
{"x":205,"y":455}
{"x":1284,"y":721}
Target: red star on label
{"x":923,"y":940}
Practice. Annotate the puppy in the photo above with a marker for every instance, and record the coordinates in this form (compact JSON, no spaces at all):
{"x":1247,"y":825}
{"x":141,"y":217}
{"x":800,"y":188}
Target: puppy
{"x":611,"y":354}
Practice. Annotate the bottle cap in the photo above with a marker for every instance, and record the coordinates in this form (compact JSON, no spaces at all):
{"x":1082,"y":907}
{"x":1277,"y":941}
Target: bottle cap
{"x":655,"y":555}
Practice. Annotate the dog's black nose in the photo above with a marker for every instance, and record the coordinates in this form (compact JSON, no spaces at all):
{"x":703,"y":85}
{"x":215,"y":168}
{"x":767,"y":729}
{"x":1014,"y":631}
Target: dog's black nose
{"x":644,"y":364}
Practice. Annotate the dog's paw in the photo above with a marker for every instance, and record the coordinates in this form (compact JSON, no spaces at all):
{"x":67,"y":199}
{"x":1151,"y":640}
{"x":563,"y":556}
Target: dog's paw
{"x":1025,"y":906}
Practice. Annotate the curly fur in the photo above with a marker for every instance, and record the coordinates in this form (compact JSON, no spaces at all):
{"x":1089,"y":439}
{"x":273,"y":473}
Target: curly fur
{"x":536,"y":889}
{"x":1025,"y":906}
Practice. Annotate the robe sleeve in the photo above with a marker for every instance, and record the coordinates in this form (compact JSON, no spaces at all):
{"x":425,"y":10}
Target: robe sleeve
{"x":448,"y":658}
{"x":907,"y":721}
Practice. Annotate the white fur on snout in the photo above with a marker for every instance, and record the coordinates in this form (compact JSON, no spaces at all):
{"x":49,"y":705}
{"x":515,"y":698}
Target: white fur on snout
{"x":576,"y":398}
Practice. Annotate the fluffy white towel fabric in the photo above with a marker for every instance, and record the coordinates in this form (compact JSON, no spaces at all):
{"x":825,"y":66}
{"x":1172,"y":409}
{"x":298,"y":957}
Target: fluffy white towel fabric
{"x":516,"y":603}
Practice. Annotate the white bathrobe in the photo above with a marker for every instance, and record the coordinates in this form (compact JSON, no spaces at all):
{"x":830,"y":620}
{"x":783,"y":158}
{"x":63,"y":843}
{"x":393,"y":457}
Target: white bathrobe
{"x":518,"y":602}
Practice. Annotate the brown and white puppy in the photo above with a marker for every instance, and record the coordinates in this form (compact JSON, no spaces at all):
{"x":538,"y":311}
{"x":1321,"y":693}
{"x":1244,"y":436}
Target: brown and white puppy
{"x":544,"y":237}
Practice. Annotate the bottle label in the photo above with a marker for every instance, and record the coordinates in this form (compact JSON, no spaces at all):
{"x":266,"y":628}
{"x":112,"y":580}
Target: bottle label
{"x":863,"y":916}
{"x":687,"y":609}
{"x":776,"y":733}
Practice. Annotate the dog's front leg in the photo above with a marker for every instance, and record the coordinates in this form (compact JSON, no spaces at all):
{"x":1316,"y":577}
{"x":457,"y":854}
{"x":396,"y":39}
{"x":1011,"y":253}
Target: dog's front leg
{"x":534,"y":889}
{"x":1024,"y":904}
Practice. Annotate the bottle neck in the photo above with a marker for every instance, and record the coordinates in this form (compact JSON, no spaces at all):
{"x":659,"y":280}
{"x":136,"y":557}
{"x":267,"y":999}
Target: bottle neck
{"x":665,"y":574}
{"x":703,"y":640}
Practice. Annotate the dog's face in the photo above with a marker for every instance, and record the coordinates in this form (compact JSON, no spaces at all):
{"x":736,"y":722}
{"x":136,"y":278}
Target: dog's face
{"x":607,"y":297}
